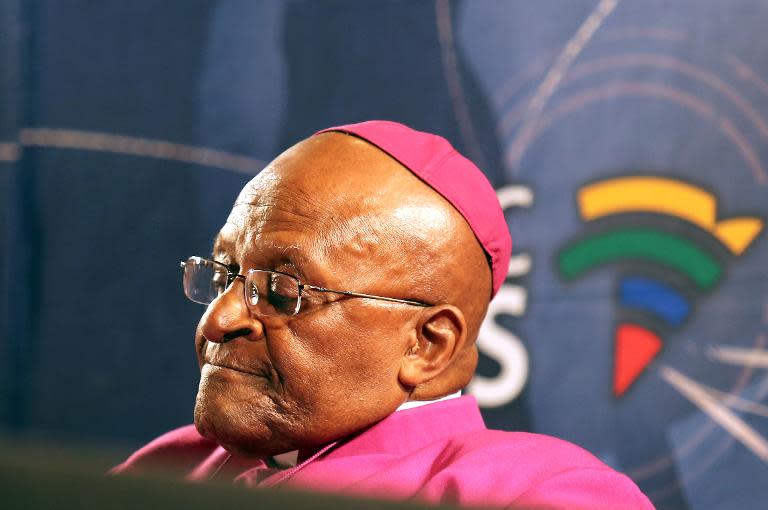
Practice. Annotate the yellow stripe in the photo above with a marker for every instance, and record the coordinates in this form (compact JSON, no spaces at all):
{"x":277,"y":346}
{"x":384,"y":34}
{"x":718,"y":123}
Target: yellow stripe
{"x":648,"y":194}
{"x":670,"y":197}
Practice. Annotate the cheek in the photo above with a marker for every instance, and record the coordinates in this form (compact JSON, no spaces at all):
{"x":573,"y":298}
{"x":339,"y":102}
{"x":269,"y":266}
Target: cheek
{"x":347,"y":352}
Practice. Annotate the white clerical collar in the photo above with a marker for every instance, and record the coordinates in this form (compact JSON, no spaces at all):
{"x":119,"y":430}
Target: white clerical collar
{"x":418,"y":403}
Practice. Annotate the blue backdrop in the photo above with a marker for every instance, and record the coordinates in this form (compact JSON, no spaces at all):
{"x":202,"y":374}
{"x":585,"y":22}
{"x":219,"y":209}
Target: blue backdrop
{"x":628,"y":142}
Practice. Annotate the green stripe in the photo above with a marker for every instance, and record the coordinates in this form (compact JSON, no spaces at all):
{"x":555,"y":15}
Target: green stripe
{"x":640,"y":244}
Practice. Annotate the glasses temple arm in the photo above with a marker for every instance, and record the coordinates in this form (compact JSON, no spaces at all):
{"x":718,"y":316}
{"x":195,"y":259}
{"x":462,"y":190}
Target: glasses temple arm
{"x":358,"y":294}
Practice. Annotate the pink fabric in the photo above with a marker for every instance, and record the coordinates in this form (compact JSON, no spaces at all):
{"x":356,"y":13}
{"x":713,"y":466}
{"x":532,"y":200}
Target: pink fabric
{"x":436,"y":162}
{"x":439,"y":453}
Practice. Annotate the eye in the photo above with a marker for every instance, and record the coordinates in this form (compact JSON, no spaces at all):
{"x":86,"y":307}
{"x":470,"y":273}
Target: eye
{"x":283,"y":293}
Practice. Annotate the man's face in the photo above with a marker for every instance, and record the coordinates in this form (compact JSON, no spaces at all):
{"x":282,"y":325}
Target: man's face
{"x":274,"y":384}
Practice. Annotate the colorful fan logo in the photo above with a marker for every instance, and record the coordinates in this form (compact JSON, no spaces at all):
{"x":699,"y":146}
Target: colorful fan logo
{"x":665,"y":235}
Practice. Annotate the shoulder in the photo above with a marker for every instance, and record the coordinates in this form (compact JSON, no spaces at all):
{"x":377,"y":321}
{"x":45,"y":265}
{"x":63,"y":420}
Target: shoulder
{"x":500,"y":468}
{"x":545,"y":452}
{"x":179,"y":449}
{"x":542,"y":453}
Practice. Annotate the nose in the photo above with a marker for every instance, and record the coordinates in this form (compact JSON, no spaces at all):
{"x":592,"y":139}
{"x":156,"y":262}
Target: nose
{"x":228,"y":317}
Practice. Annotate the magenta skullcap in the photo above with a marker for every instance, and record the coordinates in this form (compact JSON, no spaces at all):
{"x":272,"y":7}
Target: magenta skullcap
{"x":434,"y":160}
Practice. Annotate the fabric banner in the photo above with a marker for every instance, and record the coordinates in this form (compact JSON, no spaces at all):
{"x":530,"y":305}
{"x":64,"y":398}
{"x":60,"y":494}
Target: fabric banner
{"x":627,"y":141}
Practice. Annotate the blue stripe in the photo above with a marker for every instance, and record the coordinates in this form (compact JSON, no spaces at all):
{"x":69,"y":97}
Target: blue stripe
{"x":656,"y":297}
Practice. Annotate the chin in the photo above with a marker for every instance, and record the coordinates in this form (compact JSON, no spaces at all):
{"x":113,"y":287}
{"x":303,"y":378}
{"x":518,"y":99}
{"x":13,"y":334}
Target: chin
{"x":215,"y":423}
{"x":235,"y":426}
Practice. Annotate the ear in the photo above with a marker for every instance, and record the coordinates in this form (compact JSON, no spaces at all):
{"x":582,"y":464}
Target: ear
{"x":440,"y":334}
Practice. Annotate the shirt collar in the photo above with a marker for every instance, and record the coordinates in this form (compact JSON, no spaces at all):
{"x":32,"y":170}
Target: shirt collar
{"x":418,"y":403}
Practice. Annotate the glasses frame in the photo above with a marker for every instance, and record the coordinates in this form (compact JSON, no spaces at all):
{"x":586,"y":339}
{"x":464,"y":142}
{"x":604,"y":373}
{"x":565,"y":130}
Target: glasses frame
{"x":232,"y":276}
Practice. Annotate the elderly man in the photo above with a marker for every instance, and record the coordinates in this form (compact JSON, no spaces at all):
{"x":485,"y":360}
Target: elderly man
{"x":345,"y":293}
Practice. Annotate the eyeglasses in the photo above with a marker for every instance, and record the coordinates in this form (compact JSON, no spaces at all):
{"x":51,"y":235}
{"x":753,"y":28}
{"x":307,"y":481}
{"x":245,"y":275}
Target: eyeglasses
{"x":270,"y":293}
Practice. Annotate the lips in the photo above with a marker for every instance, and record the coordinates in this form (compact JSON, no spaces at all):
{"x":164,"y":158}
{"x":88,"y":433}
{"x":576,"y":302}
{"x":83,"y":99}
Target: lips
{"x":235,"y":369}
{"x":249,"y":369}
{"x":215,"y":357}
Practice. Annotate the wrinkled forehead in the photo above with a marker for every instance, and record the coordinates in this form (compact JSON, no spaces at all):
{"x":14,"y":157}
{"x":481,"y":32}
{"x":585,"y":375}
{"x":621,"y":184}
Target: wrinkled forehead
{"x":296,"y":204}
{"x":272,"y":213}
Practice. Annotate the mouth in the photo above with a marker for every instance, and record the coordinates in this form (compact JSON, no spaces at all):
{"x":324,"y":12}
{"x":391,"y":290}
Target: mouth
{"x":220,"y":357}
{"x":233,"y":368}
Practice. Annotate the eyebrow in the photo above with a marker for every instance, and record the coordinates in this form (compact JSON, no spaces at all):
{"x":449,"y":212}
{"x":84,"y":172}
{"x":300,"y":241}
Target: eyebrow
{"x":291,"y":253}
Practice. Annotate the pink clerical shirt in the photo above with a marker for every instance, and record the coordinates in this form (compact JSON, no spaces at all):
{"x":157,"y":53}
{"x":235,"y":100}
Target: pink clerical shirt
{"x":438,"y":453}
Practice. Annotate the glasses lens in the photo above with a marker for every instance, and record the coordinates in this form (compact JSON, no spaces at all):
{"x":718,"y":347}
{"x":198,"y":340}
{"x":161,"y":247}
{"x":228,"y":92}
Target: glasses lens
{"x":271,"y":293}
{"x":204,"y":280}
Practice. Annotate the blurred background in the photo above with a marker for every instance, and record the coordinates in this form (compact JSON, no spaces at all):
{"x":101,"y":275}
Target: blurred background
{"x":627,"y":140}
